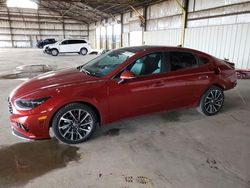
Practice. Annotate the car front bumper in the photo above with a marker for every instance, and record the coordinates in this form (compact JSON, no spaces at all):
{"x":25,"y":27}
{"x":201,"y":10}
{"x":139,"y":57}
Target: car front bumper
{"x":34,"y":126}
{"x":47,"y":50}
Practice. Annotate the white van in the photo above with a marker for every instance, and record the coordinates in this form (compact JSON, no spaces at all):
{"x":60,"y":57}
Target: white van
{"x":80,"y":46}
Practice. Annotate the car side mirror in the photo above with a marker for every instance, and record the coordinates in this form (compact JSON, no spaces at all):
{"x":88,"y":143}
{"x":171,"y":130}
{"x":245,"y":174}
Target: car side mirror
{"x":126,"y":75}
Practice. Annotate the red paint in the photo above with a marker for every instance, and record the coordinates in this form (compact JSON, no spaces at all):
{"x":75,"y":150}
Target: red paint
{"x":114,"y":101}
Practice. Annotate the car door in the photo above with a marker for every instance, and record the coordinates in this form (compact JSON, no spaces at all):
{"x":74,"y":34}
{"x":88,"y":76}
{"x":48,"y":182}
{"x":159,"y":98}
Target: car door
{"x":74,"y":47}
{"x":141,"y":95}
{"x":188,"y":76}
{"x":81,"y":44}
{"x":64,"y":46}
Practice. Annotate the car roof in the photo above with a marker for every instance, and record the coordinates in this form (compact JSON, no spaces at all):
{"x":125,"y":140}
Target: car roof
{"x":140,"y":48}
{"x":136,"y":49}
{"x":74,"y":39}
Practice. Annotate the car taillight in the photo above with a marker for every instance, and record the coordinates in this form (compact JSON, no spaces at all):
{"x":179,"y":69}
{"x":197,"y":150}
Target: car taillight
{"x":231,"y":64}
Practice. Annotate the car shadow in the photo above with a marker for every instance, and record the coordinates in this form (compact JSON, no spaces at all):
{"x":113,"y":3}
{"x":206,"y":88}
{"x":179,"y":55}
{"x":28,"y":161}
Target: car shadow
{"x":234,"y":100}
{"x":159,"y":120}
{"x":69,"y":54}
{"x":22,"y":162}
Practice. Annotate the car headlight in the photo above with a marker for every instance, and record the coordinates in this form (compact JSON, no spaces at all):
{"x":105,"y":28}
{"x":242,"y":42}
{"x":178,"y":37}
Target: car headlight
{"x":27,"y":104}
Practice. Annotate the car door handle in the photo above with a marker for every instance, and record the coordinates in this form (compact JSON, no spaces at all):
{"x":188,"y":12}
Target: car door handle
{"x":203,"y":77}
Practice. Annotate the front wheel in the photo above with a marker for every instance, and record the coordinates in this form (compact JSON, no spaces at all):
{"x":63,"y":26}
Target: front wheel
{"x":211,"y":101}
{"x":74,"y":123}
{"x":54,"y":52}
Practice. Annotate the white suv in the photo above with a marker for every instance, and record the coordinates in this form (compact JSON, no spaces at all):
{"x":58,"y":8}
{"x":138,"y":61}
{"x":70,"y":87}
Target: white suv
{"x":80,"y":46}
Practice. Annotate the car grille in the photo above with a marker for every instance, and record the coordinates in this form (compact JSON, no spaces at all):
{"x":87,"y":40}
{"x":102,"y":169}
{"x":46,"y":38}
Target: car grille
{"x":10,"y":106}
{"x":21,"y":126}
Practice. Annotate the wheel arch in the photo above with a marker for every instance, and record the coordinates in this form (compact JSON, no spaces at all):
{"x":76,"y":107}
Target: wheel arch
{"x":214,"y":84}
{"x":54,"y":48}
{"x":81,"y":102}
{"x":218,"y":85}
{"x":83,"y":47}
{"x":200,"y":106}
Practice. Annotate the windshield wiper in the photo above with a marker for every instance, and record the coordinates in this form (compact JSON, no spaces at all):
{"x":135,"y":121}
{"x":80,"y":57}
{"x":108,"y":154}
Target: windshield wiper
{"x":87,"y":72}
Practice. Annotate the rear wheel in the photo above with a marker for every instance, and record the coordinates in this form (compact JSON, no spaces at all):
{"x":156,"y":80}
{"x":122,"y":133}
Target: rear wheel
{"x":83,"y":51}
{"x":211,"y":101}
{"x":74,"y":123}
{"x":54,"y":52}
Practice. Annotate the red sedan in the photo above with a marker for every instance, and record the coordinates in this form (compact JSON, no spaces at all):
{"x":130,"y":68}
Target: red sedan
{"x":120,"y":84}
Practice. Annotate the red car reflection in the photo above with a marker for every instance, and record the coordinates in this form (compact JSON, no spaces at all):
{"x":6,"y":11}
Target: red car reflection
{"x":120,"y":84}
{"x":243,"y":73}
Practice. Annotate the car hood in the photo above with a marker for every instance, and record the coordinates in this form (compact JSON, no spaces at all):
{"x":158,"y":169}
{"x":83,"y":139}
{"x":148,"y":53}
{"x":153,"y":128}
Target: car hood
{"x":47,"y":45}
{"x":53,"y":79}
{"x":50,"y":45}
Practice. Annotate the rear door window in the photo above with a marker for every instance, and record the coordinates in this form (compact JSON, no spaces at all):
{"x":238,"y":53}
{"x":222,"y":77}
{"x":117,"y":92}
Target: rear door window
{"x":82,"y":41}
{"x":75,"y":42}
{"x":72,"y":42}
{"x":203,"y":60}
{"x":78,"y":41}
{"x":182,"y":60}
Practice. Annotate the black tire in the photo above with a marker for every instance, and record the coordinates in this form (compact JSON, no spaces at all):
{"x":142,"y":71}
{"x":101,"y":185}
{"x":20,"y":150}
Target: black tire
{"x":54,"y":52}
{"x":83,"y":51}
{"x":211,"y":101}
{"x":77,"y":128}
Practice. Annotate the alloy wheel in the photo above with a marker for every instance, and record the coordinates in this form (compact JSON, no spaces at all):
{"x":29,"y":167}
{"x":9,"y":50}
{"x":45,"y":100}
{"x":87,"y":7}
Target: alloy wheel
{"x":75,"y":124}
{"x":213,"y":101}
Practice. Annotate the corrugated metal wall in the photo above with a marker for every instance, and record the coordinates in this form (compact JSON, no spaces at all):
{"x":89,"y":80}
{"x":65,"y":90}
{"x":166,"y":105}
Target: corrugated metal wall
{"x":164,"y":15}
{"x":171,"y":37}
{"x":23,"y":27}
{"x":125,"y":39}
{"x":92,"y":39}
{"x":220,"y":28}
{"x":224,"y":41}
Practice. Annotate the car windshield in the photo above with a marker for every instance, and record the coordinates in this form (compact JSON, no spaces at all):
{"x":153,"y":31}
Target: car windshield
{"x":106,"y":63}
